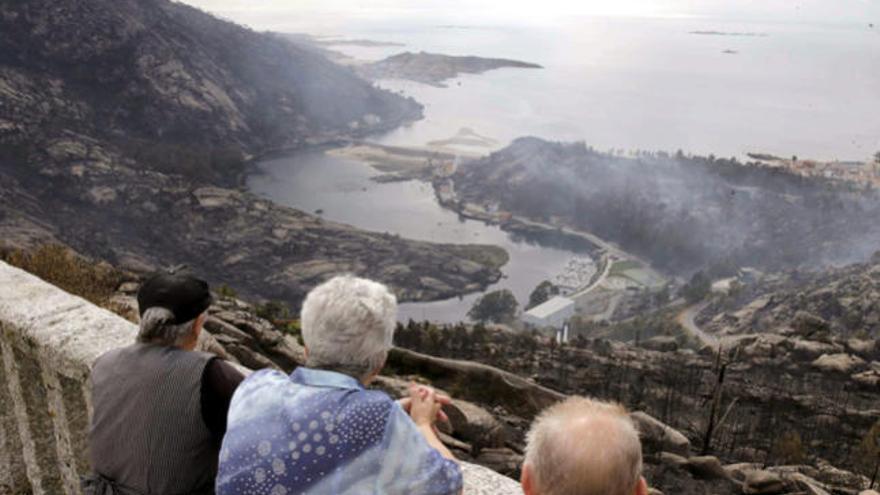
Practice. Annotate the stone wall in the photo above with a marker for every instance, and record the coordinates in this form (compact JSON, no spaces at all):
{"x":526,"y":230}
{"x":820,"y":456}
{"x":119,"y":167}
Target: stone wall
{"x":48,"y":342}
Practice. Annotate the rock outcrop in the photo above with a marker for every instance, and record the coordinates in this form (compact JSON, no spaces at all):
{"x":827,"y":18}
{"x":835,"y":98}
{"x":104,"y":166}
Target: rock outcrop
{"x":839,"y":302}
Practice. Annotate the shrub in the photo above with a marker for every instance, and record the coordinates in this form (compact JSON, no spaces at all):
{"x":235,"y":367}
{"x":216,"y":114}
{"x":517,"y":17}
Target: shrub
{"x":61,"y":267}
{"x":292,"y":328}
{"x":789,"y":449}
{"x":272,"y":311}
{"x":226,"y":292}
{"x":867,"y":454}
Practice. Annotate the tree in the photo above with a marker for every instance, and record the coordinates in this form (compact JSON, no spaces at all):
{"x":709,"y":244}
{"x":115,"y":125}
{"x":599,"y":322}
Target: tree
{"x":497,"y":306}
{"x":714,"y":422}
{"x":698,"y":288}
{"x":479,"y":337}
{"x":543,"y":292}
{"x":877,"y":157}
{"x":662,"y":296}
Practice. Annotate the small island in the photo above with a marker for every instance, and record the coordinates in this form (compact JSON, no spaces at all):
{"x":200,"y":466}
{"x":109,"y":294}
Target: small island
{"x":727,"y":33}
{"x":356,"y":42}
{"x":434,"y":68}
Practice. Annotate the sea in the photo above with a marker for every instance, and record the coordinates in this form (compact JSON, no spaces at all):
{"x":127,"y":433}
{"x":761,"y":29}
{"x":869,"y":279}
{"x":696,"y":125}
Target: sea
{"x":703,"y":86}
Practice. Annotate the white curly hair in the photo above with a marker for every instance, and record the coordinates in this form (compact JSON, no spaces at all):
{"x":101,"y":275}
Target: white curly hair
{"x":348,"y":325}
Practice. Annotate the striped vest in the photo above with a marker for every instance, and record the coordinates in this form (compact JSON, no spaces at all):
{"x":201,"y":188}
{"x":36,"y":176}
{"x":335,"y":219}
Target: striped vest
{"x":147,"y":433}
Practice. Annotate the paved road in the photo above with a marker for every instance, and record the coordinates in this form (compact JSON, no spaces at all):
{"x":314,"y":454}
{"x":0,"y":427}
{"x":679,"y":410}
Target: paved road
{"x":602,"y":277}
{"x":609,"y":247}
{"x":686,"y":320}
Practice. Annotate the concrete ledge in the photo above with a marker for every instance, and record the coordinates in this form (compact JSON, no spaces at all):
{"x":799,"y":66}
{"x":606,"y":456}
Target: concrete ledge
{"x":49,"y":340}
{"x":67,"y":330}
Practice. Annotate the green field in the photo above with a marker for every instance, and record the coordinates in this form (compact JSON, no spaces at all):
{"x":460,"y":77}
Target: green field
{"x":619,"y":268}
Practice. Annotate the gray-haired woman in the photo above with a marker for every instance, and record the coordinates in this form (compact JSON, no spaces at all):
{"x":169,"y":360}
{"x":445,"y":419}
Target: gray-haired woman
{"x":319,"y":430}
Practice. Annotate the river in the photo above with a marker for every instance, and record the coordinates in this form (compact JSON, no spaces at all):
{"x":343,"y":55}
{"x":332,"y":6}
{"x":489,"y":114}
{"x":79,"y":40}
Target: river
{"x":341,"y":189}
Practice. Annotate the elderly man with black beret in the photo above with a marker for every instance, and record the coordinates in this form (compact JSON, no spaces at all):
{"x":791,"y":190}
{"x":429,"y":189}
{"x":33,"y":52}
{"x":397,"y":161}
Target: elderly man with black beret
{"x":160,"y":406}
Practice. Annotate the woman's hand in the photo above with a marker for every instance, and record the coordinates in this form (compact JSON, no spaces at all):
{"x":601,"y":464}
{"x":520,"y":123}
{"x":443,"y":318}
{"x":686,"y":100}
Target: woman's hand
{"x":423,"y":391}
{"x":425,"y":405}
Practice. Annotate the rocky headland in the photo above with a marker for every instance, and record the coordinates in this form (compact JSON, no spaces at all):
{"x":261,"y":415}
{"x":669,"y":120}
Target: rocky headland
{"x":434,"y":68}
{"x":680,"y":212}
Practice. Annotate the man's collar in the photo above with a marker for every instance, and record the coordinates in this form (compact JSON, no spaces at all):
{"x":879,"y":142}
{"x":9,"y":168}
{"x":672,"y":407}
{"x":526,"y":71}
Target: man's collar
{"x":323,"y":378}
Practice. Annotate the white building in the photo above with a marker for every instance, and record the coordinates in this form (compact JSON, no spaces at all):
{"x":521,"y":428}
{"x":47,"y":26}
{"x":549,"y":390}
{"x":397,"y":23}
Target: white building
{"x":553,"y":313}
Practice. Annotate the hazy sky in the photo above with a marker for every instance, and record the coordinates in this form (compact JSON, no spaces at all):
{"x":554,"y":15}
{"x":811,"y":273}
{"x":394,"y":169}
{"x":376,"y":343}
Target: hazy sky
{"x":263,"y":14}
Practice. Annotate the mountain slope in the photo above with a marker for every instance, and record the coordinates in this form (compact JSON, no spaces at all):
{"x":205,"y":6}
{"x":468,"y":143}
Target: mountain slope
{"x":681,"y":212}
{"x":124,"y":123}
{"x":155,"y":69}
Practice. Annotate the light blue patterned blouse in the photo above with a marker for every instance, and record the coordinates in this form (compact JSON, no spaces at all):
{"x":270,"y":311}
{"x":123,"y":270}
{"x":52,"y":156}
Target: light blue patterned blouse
{"x":321,"y":432}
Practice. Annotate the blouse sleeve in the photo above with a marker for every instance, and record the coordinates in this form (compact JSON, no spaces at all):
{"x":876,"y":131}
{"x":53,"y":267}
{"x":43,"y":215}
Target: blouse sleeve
{"x":411,"y":465}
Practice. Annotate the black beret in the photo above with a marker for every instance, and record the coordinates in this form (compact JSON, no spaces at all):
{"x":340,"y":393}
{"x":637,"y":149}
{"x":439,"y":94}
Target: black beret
{"x":185,"y":296}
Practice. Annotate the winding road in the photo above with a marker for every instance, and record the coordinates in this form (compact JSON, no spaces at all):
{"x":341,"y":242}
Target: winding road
{"x":605,"y":271}
{"x":609,"y":247}
{"x":686,"y":320}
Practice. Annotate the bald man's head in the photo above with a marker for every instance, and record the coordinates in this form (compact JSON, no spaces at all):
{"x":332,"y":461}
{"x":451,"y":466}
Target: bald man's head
{"x":583,"y":447}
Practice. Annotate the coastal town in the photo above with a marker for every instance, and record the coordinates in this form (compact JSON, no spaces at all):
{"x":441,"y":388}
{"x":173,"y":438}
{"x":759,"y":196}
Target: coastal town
{"x":864,"y":173}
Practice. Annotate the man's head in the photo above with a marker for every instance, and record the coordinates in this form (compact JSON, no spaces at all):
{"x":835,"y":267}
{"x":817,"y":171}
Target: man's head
{"x":348,"y":325}
{"x":172,"y":308}
{"x":583,"y":447}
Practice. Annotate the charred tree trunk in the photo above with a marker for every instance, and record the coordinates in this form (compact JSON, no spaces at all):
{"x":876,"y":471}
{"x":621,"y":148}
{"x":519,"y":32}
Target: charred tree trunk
{"x":717,"y":391}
